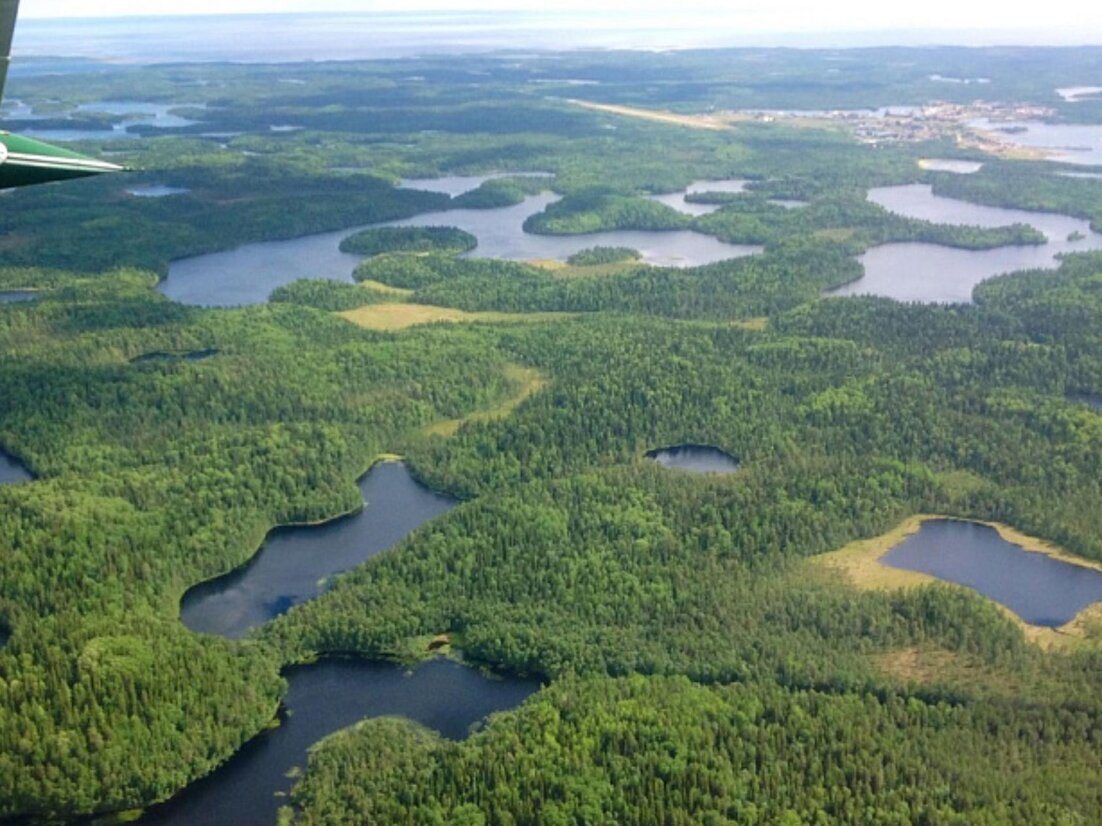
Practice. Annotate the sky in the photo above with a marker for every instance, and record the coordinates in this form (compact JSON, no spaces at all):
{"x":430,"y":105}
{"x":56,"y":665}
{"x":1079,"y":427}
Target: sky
{"x":747,"y":15}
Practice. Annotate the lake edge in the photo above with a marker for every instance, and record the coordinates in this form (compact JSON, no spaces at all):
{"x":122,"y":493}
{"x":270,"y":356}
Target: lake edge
{"x":860,"y":562}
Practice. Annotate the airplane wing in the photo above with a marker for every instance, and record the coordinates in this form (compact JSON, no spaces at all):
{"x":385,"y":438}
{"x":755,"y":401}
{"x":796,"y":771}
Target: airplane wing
{"x":8,"y":11}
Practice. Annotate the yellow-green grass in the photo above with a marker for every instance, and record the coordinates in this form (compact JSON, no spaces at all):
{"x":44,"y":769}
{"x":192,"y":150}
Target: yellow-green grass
{"x":754,"y":325}
{"x":527,"y":381}
{"x":391,"y":316}
{"x":380,"y":287}
{"x":860,"y":563}
{"x":564,"y":270}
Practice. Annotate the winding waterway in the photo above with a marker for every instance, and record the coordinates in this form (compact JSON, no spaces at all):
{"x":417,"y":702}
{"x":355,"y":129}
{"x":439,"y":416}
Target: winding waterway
{"x":695,"y":459}
{"x":327,"y":697}
{"x":1039,"y":589}
{"x":295,"y":562}
{"x":939,"y":274}
{"x":248,"y":274}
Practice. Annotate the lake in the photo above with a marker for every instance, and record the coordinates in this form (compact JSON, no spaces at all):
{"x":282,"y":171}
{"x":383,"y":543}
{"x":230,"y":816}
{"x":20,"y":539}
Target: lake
{"x":156,"y":191}
{"x":133,"y":113}
{"x":1039,"y":589}
{"x":12,"y":471}
{"x":1069,"y":142}
{"x":248,"y":274}
{"x":326,"y":697}
{"x":459,"y":184}
{"x":933,"y":273}
{"x":695,"y":459}
{"x":294,"y":562}
{"x":334,"y":693}
{"x":676,"y":200}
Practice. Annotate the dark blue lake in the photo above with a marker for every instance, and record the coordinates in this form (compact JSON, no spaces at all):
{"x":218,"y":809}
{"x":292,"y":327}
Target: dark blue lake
{"x":1039,"y":589}
{"x":12,"y":471}
{"x":295,"y":562}
{"x":324,"y":698}
{"x":695,"y":459}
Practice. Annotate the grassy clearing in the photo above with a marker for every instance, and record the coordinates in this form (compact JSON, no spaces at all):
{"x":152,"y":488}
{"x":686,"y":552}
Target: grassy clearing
{"x":526,"y":382}
{"x":380,"y":287}
{"x":860,"y":564}
{"x":930,"y":664}
{"x":400,"y":316}
{"x":563,"y":270}
{"x":754,"y":325}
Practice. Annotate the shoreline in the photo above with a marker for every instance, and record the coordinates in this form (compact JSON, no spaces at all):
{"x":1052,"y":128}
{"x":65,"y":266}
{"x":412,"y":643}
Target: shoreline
{"x":381,"y":458}
{"x":860,"y":564}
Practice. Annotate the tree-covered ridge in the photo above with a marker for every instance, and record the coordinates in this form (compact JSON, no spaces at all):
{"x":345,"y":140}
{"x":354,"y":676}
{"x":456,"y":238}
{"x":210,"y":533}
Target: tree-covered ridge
{"x":156,"y":476}
{"x":381,"y":240}
{"x":664,"y":750}
{"x":596,"y":256}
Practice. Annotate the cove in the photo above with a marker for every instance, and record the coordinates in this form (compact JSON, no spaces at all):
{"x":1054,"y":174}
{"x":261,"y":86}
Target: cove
{"x":294,"y":562}
{"x":695,"y":459}
{"x":1039,"y":589}
{"x":678,"y":200}
{"x":938,"y":274}
{"x":12,"y":471}
{"x":248,"y":274}
{"x":326,"y":697}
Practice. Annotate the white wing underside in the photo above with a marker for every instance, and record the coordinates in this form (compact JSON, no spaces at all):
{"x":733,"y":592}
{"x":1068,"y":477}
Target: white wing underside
{"x":8,"y":11}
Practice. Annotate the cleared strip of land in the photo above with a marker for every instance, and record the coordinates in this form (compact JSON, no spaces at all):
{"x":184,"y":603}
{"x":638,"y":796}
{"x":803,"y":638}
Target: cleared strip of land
{"x":400,"y":316}
{"x":712,"y":122}
{"x":527,"y":380}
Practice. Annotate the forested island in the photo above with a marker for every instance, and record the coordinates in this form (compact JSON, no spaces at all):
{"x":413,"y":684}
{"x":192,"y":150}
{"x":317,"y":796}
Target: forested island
{"x":687,"y":657}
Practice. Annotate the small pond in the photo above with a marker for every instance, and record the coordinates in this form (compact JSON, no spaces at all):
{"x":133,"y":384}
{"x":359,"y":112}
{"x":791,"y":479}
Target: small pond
{"x":932,"y":273}
{"x":1091,"y":400}
{"x":294,"y":562}
{"x":695,"y":459}
{"x":326,"y":697}
{"x":18,"y":296}
{"x":1039,"y":589}
{"x":13,"y":471}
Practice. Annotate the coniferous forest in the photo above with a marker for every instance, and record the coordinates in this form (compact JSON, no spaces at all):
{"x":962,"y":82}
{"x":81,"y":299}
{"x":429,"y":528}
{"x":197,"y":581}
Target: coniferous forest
{"x":698,"y":662}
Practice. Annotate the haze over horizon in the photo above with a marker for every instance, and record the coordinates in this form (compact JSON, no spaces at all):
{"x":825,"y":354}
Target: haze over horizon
{"x":784,"y":22}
